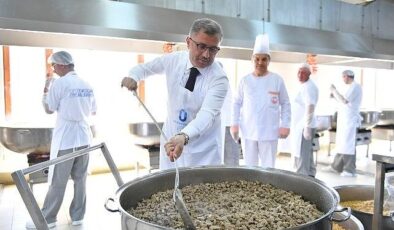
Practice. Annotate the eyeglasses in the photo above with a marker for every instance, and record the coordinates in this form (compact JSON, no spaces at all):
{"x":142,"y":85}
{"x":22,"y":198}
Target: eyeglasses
{"x":202,"y":47}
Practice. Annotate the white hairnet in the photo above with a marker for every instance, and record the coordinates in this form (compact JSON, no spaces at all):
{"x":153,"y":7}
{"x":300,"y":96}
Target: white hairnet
{"x":348,"y":73}
{"x":61,"y":58}
{"x":305,"y":66}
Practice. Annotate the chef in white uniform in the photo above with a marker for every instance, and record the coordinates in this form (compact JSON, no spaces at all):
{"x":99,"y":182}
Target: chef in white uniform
{"x":303,"y":126}
{"x":348,"y":120}
{"x":73,"y":100}
{"x":193,"y":113}
{"x":261,"y":109}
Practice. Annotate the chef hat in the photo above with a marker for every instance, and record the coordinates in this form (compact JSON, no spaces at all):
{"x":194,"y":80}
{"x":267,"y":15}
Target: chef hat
{"x":60,"y":58}
{"x":262,"y":44}
{"x":348,"y":73}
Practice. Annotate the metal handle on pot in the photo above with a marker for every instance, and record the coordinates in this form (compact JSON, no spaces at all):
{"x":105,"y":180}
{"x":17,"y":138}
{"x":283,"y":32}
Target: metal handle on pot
{"x":106,"y":205}
{"x":349,"y":213}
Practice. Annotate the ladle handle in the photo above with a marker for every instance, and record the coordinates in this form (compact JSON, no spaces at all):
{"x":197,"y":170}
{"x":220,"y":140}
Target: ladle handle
{"x":151,"y":116}
{"x":162,"y":133}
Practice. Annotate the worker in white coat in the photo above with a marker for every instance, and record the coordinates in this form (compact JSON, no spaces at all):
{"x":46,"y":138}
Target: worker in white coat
{"x":73,"y":100}
{"x":261,"y":109}
{"x":303,"y":126}
{"x":348,"y":120}
{"x":197,"y":86}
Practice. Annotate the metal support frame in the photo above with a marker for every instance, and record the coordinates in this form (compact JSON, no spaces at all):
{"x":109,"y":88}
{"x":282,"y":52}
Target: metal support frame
{"x":27,"y":194}
{"x":383,"y":164}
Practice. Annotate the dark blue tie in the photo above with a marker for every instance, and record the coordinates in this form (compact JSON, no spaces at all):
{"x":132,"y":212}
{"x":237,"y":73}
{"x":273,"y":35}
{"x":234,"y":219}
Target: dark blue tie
{"x":192,"y":79}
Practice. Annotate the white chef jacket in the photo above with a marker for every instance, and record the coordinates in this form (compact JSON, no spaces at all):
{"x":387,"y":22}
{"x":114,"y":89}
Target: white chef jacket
{"x":195,"y":113}
{"x":348,"y":120}
{"x":74,"y":101}
{"x":261,"y":105}
{"x":308,"y":94}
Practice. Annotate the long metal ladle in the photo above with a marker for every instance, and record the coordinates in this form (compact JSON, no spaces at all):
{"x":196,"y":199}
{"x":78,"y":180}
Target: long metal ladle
{"x":177,"y":196}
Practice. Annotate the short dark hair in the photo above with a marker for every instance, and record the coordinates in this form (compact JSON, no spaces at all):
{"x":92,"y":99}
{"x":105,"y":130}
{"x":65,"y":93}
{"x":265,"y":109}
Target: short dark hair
{"x":208,"y":26}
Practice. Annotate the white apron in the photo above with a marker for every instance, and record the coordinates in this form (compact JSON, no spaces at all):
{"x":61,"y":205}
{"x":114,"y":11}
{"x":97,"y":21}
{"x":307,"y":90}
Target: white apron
{"x":348,"y":120}
{"x":307,"y":92}
{"x":347,"y":123}
{"x":184,"y":106}
{"x":297,"y":126}
{"x":61,"y":127}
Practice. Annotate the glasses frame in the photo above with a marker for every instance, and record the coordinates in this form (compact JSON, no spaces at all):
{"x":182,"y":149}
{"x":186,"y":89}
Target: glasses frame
{"x":203,"y":47}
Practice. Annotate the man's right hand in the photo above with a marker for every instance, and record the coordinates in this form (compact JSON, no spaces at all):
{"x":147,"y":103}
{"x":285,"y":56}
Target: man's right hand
{"x":174,"y":147}
{"x":234,"y":131}
{"x":129,"y":83}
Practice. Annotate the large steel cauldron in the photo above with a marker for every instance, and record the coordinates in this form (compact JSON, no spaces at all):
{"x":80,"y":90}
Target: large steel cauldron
{"x":362,"y":192}
{"x":315,"y":191}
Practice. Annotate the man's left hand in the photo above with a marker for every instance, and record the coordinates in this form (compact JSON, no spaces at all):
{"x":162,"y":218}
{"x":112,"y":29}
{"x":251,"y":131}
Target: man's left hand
{"x":283,"y":132}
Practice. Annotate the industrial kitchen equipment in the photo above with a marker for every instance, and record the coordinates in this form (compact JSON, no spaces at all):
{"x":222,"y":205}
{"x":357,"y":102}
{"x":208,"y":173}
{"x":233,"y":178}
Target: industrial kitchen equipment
{"x":384,"y":130}
{"x":146,"y":135}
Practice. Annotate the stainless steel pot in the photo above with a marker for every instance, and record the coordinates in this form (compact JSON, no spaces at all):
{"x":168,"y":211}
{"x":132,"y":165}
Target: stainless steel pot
{"x":370,"y":119}
{"x":386,"y":117}
{"x":362,"y":192}
{"x":351,"y":224}
{"x":28,"y":139}
{"x":315,"y":191}
{"x":145,"y":133}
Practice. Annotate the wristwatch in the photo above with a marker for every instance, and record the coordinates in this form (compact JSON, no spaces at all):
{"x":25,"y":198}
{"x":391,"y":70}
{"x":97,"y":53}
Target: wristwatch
{"x":185,"y":136}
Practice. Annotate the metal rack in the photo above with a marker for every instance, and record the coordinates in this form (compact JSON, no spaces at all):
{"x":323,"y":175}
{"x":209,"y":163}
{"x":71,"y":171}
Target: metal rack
{"x":384,"y":164}
{"x":27,"y":194}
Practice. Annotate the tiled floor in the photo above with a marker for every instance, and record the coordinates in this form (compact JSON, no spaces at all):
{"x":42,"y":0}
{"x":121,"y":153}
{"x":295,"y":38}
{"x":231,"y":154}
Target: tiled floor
{"x":13,"y":214}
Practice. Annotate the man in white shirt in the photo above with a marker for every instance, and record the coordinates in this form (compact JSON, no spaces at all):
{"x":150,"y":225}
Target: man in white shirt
{"x":261,"y":109}
{"x":197,"y":87}
{"x":73,"y":100}
{"x":348,"y":120}
{"x":303,"y":126}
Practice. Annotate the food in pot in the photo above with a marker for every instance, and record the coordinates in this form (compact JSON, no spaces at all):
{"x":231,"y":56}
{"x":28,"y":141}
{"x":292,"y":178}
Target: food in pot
{"x":336,"y":226}
{"x":363,"y":206}
{"x":230,"y":205}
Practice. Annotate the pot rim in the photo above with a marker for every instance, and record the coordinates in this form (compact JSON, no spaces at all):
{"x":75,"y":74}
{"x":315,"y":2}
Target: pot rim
{"x":334,"y":194}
